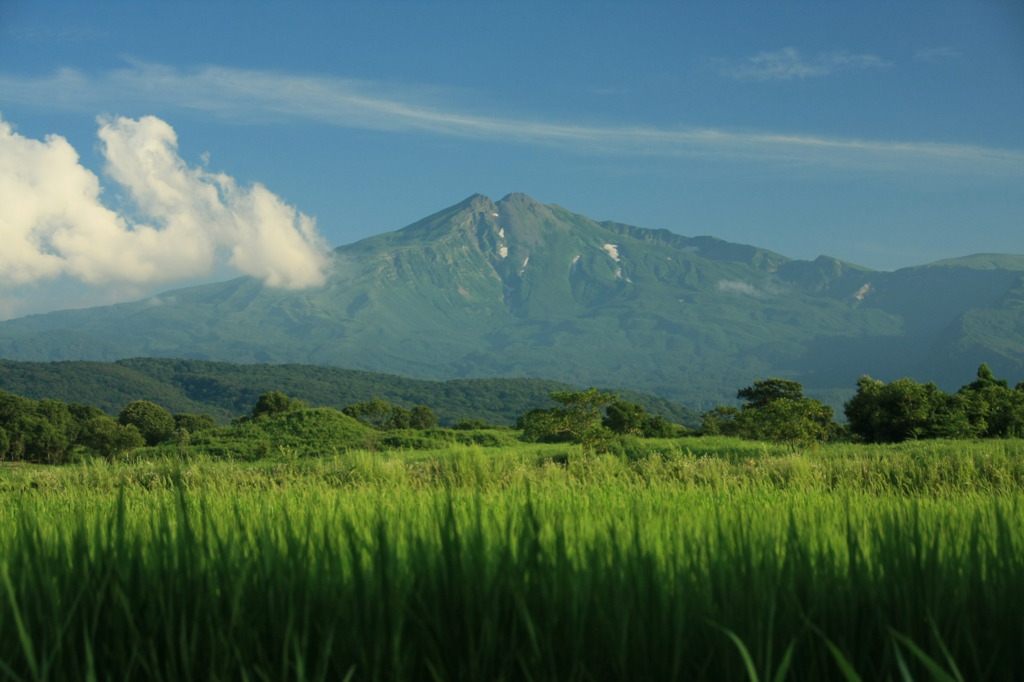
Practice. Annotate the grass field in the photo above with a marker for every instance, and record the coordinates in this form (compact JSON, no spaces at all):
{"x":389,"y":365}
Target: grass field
{"x":695,"y":559}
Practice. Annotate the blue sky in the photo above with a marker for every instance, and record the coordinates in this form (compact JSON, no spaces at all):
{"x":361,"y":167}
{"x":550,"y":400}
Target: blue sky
{"x":199,"y":140}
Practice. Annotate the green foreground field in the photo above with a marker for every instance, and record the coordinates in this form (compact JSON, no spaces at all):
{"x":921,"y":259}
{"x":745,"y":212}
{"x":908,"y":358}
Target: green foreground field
{"x":700,"y":559}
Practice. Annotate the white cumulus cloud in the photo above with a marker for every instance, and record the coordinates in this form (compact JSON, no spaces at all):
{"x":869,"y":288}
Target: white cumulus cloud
{"x":54,"y":223}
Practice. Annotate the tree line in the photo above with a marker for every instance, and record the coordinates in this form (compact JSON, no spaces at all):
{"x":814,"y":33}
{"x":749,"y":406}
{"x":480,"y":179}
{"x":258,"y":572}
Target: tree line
{"x":776,"y":410}
{"x":773,"y":409}
{"x":49,"y":430}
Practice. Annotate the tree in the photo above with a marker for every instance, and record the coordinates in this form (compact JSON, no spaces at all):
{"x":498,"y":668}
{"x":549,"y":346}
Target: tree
{"x":422,"y":417}
{"x":993,"y":408}
{"x":193,"y":423}
{"x":775,"y":410}
{"x":382,"y":415}
{"x":796,"y":422}
{"x":624,"y":418}
{"x":723,"y":420}
{"x":53,"y":439}
{"x":578,"y":420}
{"x":536,"y":427}
{"x":985,"y":379}
{"x":467,"y":424}
{"x":109,"y":438}
{"x":864,"y":414}
{"x":154,"y":422}
{"x":765,"y":391}
{"x":376,"y":412}
{"x":12,"y":406}
{"x":905,"y":409}
{"x":275,"y":402}
{"x":44,"y":430}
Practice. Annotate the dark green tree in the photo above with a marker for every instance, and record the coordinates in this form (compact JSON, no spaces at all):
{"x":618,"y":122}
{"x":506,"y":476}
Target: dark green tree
{"x":723,"y":420}
{"x":376,"y":412}
{"x":110,"y":439}
{"x":905,"y":409}
{"x":154,"y":422}
{"x":275,"y":402}
{"x":536,"y":427}
{"x":382,"y":415}
{"x":775,"y":410}
{"x":865,"y":417}
{"x":985,"y":379}
{"x":12,"y":406}
{"x":400,"y":418}
{"x":993,"y":408}
{"x":466,"y":424}
{"x":578,"y":419}
{"x":765,"y":391}
{"x":44,"y":430}
{"x":193,"y":423}
{"x":626,"y":418}
{"x":797,"y":422}
{"x":422,"y":417}
{"x":35,"y":438}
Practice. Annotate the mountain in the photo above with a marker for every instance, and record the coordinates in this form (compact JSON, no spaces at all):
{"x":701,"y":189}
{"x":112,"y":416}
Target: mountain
{"x":516,"y":288}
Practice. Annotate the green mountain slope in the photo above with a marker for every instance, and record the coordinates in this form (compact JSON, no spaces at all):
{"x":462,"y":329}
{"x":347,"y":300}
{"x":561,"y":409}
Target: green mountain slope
{"x":517,"y":288}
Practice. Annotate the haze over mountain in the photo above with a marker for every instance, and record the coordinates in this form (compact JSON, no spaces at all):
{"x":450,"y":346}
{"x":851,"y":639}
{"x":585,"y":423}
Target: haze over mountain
{"x":516,"y":288}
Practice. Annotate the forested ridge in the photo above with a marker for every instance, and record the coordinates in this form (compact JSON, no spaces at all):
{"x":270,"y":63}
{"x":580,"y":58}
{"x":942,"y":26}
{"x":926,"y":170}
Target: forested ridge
{"x":228,"y":390}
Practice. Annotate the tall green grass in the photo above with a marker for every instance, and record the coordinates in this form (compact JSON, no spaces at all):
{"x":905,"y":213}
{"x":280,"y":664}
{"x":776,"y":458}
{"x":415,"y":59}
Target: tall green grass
{"x":517,"y":564}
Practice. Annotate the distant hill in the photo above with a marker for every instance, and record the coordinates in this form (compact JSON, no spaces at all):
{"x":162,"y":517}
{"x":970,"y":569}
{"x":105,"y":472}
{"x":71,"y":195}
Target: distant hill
{"x":516,"y":288}
{"x":226,"y":390}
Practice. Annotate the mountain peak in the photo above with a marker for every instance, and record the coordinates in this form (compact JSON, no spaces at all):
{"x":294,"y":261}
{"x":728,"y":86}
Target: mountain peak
{"x":477,"y":203}
{"x":520,"y":200}
{"x":518,"y":197}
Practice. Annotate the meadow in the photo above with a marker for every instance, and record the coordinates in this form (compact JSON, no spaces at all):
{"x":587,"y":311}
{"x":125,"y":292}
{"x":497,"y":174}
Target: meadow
{"x":686,"y":559}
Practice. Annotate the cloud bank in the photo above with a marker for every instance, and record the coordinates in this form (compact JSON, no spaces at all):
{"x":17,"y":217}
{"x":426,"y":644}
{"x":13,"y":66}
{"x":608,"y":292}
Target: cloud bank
{"x":270,"y":96}
{"x":53,"y":222}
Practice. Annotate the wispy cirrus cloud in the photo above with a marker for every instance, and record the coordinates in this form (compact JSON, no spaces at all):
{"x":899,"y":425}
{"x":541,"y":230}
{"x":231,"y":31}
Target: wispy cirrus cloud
{"x":55,"y":34}
{"x":936,"y":54}
{"x":790,"y":64}
{"x":243,"y":95}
